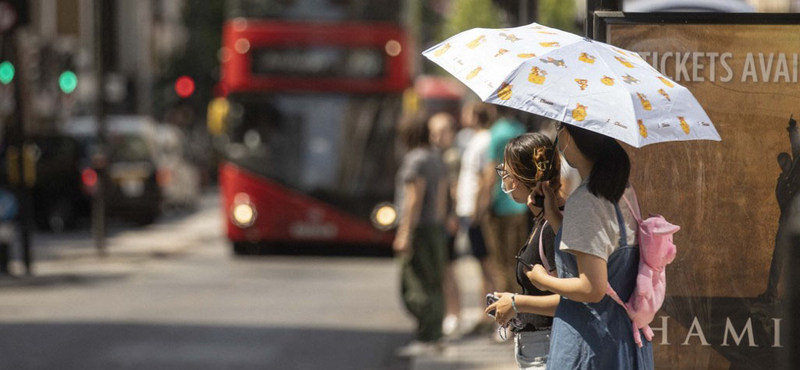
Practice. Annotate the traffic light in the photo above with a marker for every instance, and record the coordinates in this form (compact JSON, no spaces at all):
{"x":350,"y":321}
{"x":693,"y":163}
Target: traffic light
{"x":184,"y":86}
{"x":6,"y":72}
{"x":68,"y":81}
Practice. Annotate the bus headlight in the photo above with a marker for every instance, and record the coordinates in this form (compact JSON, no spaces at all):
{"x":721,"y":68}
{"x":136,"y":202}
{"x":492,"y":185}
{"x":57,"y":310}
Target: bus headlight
{"x":244,"y":212}
{"x":384,"y":216}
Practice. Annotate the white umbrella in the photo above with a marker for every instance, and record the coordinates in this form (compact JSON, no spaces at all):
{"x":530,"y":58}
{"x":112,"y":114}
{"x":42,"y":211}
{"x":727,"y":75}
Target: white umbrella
{"x":575,"y":80}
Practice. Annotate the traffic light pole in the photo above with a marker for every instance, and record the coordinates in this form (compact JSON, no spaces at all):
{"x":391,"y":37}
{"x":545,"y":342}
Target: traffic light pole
{"x":100,"y":159}
{"x":16,"y":153}
{"x":23,"y":193}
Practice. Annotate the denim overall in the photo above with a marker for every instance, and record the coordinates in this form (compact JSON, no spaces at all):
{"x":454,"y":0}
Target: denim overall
{"x":598,"y":335}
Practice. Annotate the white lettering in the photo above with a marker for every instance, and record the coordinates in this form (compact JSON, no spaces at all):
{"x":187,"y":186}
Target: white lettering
{"x":727,"y":67}
{"x":782,"y":70}
{"x":680,"y":66}
{"x":662,"y":329}
{"x":696,"y":67}
{"x":749,"y":68}
{"x":712,"y":72}
{"x":699,"y":333}
{"x":765,"y":69}
{"x":794,"y":68}
{"x":777,"y":333}
{"x":663,"y":67}
{"x":748,"y":329}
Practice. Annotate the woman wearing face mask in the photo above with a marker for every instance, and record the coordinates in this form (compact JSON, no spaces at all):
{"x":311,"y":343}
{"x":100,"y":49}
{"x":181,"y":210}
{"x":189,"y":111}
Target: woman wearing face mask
{"x":596,"y":245}
{"x":526,"y":165}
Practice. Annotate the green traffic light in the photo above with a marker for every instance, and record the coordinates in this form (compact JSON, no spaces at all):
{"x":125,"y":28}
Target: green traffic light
{"x":68,"y":81}
{"x":6,"y":72}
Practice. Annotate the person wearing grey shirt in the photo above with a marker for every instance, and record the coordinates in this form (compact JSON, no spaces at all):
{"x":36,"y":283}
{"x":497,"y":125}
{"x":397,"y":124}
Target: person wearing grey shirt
{"x":420,"y":241}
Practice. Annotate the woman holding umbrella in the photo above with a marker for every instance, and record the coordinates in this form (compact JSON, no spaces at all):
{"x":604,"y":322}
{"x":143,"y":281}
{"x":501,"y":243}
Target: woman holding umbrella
{"x":596,"y":244}
{"x":603,"y":94}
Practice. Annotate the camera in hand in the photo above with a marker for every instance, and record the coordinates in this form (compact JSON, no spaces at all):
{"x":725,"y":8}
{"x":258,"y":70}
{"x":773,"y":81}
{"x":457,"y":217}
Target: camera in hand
{"x":491,"y":298}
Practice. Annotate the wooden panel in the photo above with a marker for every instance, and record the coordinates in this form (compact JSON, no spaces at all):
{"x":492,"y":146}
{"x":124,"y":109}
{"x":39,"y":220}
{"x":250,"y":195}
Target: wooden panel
{"x":722,"y":194}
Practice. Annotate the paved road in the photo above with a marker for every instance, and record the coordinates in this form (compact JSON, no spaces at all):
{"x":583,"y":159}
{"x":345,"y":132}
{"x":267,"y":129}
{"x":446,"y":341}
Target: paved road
{"x":171,"y":296}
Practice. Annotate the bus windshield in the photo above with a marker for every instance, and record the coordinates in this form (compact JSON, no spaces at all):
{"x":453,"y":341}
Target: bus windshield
{"x":335,"y":147}
{"x":317,"y":10}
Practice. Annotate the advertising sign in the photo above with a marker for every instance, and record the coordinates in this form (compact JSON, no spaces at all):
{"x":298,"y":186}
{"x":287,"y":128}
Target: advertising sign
{"x":731,"y":198}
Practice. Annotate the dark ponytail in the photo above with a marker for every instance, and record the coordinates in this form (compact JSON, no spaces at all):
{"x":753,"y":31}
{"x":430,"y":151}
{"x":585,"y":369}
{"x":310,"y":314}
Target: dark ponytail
{"x":612,"y":167}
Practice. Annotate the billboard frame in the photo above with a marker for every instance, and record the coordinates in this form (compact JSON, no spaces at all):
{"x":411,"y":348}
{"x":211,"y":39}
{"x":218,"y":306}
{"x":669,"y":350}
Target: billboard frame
{"x":603,"y":19}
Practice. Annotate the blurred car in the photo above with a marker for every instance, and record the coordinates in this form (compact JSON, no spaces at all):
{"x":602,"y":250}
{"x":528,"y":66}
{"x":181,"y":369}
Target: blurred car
{"x":134,"y":193}
{"x":178,"y":177}
{"x":61,"y":195}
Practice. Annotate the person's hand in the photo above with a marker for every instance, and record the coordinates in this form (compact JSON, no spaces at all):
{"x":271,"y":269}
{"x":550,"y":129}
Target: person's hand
{"x":538,"y":275}
{"x":452,"y":225}
{"x":401,"y":244}
{"x":505,"y":311}
{"x":551,"y":200}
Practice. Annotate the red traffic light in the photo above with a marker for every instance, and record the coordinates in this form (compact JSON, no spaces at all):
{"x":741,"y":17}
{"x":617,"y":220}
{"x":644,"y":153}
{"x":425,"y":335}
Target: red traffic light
{"x":184,"y":86}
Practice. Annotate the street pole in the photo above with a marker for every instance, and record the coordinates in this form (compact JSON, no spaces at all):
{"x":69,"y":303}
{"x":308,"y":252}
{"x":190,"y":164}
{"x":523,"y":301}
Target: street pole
{"x":21,"y":167}
{"x":99,"y":160}
{"x":23,"y":193}
{"x":528,"y":11}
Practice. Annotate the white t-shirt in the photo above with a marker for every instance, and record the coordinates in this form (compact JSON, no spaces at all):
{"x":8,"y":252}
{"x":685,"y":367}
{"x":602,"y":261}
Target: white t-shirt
{"x":590,"y":223}
{"x":472,"y":164}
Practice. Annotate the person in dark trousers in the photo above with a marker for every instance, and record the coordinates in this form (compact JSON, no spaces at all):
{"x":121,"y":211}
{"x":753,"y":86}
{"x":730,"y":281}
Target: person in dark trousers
{"x":529,"y":160}
{"x":442,"y":128}
{"x":420,"y":241}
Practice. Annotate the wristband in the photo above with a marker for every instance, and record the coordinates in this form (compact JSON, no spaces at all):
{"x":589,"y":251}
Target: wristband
{"x":513,"y":303}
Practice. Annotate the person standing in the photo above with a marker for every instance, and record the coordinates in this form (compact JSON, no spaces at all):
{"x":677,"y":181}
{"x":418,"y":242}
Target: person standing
{"x":469,"y":184}
{"x":420,"y":240}
{"x":507,"y":222}
{"x":597,"y":246}
{"x":529,"y":161}
{"x":442,"y":129}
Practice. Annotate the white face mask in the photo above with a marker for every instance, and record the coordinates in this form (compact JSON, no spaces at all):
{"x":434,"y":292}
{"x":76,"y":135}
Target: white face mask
{"x":563,"y":156}
{"x":503,"y":185}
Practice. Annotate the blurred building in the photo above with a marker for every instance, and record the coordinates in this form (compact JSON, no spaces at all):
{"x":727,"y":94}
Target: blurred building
{"x":140,"y":38}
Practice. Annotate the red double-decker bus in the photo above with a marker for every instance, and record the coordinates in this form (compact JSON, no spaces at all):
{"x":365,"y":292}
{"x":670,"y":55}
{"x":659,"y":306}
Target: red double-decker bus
{"x":314,"y":93}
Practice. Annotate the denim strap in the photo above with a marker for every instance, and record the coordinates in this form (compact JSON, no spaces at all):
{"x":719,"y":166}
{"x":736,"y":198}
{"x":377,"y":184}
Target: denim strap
{"x":623,"y":237}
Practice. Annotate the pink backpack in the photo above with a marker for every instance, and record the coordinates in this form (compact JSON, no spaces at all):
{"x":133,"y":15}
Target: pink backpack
{"x":656,"y":251}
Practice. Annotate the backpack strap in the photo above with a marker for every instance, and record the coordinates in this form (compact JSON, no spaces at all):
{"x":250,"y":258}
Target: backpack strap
{"x":623,"y":234}
{"x":542,"y":256}
{"x":636,"y":212}
{"x":623,"y":240}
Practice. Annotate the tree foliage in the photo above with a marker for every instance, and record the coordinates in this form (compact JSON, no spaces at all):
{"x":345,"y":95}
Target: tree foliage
{"x":558,"y":14}
{"x":466,"y":14}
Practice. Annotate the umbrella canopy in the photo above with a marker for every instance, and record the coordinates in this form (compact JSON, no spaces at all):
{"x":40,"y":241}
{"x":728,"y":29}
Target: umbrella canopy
{"x":574,"y":80}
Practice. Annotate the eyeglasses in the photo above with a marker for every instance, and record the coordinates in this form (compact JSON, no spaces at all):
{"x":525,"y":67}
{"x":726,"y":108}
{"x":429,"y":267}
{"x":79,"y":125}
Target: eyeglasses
{"x":501,"y":171}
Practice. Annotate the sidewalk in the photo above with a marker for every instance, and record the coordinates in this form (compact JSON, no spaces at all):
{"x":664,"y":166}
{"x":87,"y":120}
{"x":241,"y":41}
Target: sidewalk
{"x":70,"y":254}
{"x":473,"y":352}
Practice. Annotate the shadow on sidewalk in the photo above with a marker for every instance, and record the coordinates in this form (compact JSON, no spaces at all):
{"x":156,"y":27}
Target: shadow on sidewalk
{"x":100,"y":346}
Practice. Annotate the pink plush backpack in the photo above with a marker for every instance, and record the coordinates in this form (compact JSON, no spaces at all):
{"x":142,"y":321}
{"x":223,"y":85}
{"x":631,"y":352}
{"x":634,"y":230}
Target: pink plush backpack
{"x":656,"y":251}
